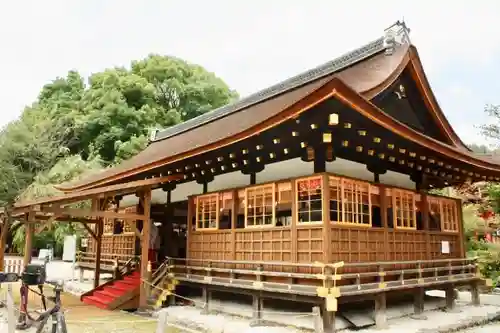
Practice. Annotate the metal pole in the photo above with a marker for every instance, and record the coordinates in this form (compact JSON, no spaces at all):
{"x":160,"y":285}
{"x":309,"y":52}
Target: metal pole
{"x":11,"y":318}
{"x":162,"y":321}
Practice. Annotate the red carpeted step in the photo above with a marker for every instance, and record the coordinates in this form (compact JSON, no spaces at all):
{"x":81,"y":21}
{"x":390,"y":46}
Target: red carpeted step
{"x":104,"y":297}
{"x":111,"y":292}
{"x":124,"y":285}
{"x":91,"y":300}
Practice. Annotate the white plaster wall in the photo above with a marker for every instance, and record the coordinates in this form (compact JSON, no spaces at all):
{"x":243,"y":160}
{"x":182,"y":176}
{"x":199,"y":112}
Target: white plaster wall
{"x":275,"y":171}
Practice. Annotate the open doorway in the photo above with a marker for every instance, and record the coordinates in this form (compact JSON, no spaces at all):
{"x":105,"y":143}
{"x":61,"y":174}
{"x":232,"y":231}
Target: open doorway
{"x":169,"y":228}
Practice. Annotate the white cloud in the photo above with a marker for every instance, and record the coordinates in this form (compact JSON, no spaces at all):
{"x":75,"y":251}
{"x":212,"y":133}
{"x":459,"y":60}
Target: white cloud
{"x":250,"y":44}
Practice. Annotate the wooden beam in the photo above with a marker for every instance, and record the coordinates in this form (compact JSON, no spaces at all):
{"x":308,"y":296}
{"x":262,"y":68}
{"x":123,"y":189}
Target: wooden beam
{"x":146,"y":229}
{"x":47,"y":223}
{"x":97,"y":213}
{"x":89,"y":230}
{"x":98,"y":193}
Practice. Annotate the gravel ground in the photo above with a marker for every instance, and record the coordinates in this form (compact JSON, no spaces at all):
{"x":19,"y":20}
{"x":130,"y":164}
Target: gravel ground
{"x":491,"y":328}
{"x":87,"y":319}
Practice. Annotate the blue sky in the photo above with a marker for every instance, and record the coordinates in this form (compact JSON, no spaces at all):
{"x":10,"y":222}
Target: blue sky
{"x":250,"y":44}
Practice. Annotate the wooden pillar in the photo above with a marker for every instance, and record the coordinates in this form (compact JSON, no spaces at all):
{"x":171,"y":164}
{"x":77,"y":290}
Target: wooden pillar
{"x":381,"y":310}
{"x":319,"y":159}
{"x":327,"y":231}
{"x":293,"y":226}
{"x":234,"y":218}
{"x":253,"y":178}
{"x":384,"y":205}
{"x":206,"y":293}
{"x":424,"y":206}
{"x":418,"y":304}
{"x":462,"y":239}
{"x":257,"y":302}
{"x":328,"y":315}
{"x":28,"y":246}
{"x":189,"y":226}
{"x":3,"y":239}
{"x":328,"y":320}
{"x":474,"y":293}
{"x":98,"y":243}
{"x":146,"y":229}
{"x":450,"y":298}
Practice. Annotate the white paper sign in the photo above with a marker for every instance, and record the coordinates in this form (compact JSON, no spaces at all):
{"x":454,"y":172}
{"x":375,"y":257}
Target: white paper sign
{"x":445,"y":247}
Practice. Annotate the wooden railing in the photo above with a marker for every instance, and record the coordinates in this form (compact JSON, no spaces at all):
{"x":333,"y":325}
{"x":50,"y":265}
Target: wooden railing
{"x":108,"y":260}
{"x":349,"y":279}
{"x":13,"y":265}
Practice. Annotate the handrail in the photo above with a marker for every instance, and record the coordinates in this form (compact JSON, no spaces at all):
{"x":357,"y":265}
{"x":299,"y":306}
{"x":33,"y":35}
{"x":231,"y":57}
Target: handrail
{"x":318,"y":264}
{"x":320,"y":276}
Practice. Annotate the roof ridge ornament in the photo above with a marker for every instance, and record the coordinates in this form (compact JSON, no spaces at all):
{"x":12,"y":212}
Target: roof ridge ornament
{"x":396,"y":34}
{"x":152,"y":134}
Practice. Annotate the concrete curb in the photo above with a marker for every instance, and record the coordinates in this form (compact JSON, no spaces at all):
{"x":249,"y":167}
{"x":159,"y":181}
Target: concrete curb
{"x":465,"y":324}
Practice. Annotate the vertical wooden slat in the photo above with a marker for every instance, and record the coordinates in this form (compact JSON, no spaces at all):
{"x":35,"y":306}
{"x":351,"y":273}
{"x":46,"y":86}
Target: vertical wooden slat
{"x":146,"y":229}
{"x":234,"y":218}
{"x":383,"y":215}
{"x":342,"y":194}
{"x":394,"y":209}
{"x":189,"y":226}
{"x":370,"y":204}
{"x":414,"y":210}
{"x":461,"y":240}
{"x":424,"y":204}
{"x":325,"y":209}
{"x":293,"y":227}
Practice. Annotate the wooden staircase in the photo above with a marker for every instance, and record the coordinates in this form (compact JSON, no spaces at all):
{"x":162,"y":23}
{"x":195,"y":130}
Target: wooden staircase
{"x":162,"y":286}
{"x":122,"y":293}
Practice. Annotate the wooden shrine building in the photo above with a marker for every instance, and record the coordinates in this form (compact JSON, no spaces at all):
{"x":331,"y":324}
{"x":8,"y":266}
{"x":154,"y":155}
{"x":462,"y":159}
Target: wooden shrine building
{"x":314,"y":189}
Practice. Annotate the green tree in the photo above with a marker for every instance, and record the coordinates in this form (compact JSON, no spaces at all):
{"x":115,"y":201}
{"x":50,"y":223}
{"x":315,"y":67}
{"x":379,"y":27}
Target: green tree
{"x":66,"y":169}
{"x":121,"y":106}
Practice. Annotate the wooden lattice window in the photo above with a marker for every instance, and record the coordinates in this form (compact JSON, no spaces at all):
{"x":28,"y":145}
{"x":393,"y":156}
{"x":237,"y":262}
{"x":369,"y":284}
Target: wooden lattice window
{"x":443,"y":214}
{"x":335,"y":187}
{"x":207,"y":212}
{"x":434,"y":213}
{"x":356,"y":202}
{"x":309,"y":200}
{"x":404,"y":209}
{"x":449,"y":220}
{"x":350,"y":201}
{"x":283,"y":208}
{"x":259,"y":207}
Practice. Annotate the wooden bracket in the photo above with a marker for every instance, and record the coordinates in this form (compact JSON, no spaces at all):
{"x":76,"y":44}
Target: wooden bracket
{"x":89,"y":230}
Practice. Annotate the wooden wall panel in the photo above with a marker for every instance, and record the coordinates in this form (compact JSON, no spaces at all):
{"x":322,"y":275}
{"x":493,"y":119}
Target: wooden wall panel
{"x":121,"y":246}
{"x":406,"y":245}
{"x":353,"y":245}
{"x":263,"y":245}
{"x":435,"y":244}
{"x":214,"y":245}
{"x":309,"y":245}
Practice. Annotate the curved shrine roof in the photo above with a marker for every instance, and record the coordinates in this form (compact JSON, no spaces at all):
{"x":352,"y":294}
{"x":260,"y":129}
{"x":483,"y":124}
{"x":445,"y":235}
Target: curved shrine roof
{"x":365,"y":72}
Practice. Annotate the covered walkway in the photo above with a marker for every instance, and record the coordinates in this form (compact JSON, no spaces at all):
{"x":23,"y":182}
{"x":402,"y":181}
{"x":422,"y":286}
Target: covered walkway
{"x":90,"y":208}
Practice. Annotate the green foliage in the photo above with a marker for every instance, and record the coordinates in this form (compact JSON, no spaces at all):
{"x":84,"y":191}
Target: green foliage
{"x":68,"y":168}
{"x":74,"y":128}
